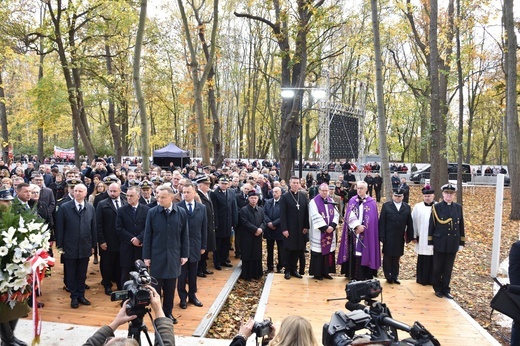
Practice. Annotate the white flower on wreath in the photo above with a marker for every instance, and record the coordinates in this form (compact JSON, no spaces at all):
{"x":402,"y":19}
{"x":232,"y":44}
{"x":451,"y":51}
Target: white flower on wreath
{"x":9,"y":239}
{"x":3,"y":251}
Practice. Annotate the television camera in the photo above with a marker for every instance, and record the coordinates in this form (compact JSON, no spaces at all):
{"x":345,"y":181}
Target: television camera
{"x":375,"y":318}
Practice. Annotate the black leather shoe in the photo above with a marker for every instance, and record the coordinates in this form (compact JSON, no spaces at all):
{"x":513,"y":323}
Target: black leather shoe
{"x":328,"y":277}
{"x":84,"y":301}
{"x":18,"y":342}
{"x":208,"y":272}
{"x":448,"y":295}
{"x":217,"y":267}
{"x":389,"y":281}
{"x":174,"y":320}
{"x":74,"y":303}
{"x":227,"y":265}
{"x":195,"y":302}
{"x":201,"y":275}
{"x":108,"y":291}
{"x":287,"y":275}
{"x":439,"y":295}
{"x":318,"y":278}
{"x":397,"y":282}
{"x":183,"y":304}
{"x":296,"y":275}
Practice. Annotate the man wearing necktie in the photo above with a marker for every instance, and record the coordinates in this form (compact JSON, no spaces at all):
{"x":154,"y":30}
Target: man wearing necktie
{"x":166,"y":245}
{"x":108,"y":239}
{"x":76,"y":237}
{"x":21,"y":201}
{"x":130,"y":222}
{"x":273,"y":231}
{"x":197,"y":221}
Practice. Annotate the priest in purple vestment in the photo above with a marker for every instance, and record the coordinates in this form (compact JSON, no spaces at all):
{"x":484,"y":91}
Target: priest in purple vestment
{"x":359,"y":252}
{"x":323,"y":219}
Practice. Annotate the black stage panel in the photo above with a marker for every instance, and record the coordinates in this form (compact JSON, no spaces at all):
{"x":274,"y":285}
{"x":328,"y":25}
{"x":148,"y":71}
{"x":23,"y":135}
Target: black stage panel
{"x":343,"y":137}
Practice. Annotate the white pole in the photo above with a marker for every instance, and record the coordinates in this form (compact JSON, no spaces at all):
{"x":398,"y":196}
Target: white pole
{"x":495,"y":255}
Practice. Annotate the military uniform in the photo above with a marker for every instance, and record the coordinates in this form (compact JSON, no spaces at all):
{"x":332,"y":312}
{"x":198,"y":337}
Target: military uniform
{"x":446,"y":234}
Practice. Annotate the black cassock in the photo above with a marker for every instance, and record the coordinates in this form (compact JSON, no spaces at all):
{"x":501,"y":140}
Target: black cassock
{"x":294,"y":217}
{"x":251,"y":245}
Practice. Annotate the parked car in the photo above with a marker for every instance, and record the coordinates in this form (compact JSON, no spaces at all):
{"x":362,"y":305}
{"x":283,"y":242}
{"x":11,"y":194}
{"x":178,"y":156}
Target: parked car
{"x":424,"y":173}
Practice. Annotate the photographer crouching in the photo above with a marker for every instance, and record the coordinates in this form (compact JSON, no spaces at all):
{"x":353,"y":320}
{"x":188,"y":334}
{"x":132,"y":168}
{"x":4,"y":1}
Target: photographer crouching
{"x":163,"y":326}
{"x":294,"y":330}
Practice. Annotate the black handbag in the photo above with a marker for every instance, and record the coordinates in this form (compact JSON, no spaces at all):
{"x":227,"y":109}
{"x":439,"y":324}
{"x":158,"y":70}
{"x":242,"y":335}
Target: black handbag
{"x":507,"y":300}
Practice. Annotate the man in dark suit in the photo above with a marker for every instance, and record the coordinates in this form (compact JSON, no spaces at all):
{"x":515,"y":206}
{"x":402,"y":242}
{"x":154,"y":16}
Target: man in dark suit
{"x":76,"y":238}
{"x":166,"y":245}
{"x":204,"y":191}
{"x":514,"y":279}
{"x":242,"y":201}
{"x":46,"y":199}
{"x":130,"y":222}
{"x":197,"y":222}
{"x":273,"y":231}
{"x":226,"y":212}
{"x":108,"y":239}
{"x":395,"y":227}
{"x":446,"y":234}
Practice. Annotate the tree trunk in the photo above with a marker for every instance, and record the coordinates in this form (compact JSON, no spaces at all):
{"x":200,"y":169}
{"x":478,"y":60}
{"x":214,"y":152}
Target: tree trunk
{"x":513,"y":132}
{"x":114,"y":128}
{"x":72,"y":80}
{"x":461,"y":110}
{"x":145,"y":142}
{"x":436,"y":143}
{"x":3,"y":120}
{"x":381,"y":118}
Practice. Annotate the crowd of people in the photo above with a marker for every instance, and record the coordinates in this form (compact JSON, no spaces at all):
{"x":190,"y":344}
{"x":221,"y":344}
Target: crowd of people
{"x":186,"y":222}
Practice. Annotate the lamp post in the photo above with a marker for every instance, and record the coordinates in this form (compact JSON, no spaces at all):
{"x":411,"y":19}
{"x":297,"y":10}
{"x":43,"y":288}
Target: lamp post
{"x":290,"y":93}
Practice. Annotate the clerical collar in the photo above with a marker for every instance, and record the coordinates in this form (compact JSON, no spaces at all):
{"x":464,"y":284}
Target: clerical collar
{"x":429,"y":204}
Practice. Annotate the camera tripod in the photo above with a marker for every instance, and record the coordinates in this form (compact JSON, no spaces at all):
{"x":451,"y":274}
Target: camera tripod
{"x":137,"y":326}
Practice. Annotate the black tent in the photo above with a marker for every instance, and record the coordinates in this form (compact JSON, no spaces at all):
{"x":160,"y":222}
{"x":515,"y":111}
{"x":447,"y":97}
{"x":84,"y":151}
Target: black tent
{"x":171,"y":153}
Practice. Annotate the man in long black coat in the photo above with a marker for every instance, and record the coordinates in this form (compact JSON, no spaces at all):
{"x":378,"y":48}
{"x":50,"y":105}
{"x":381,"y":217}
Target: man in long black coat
{"x":395,"y":227}
{"x":76,"y":238}
{"x":294,"y":220}
{"x":130,"y":223}
{"x":273,"y":231}
{"x":108,"y":239}
{"x":197,"y":222}
{"x":241,"y":197}
{"x":166,"y":245}
{"x":225,"y":206}
{"x":446,"y":234}
{"x":253,"y":226}
{"x":204,"y":192}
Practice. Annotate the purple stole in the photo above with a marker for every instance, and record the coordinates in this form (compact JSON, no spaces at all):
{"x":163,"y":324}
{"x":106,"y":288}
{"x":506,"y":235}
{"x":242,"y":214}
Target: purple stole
{"x":327,"y":212}
{"x":370,"y":253}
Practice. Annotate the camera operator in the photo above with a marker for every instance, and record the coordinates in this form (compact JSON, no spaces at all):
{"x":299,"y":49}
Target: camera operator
{"x":164,"y":326}
{"x":294,"y":330}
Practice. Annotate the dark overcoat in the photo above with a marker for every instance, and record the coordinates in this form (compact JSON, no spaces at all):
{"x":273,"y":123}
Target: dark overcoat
{"x":106,"y":214}
{"x":198,"y":225}
{"x":210,"y":213}
{"x":251,"y":245}
{"x":128,"y":227}
{"x":272,"y":214}
{"x":446,"y":230}
{"x":225,"y":207}
{"x":76,"y":232}
{"x":166,"y":241}
{"x":294,"y":219}
{"x":395,"y":227}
